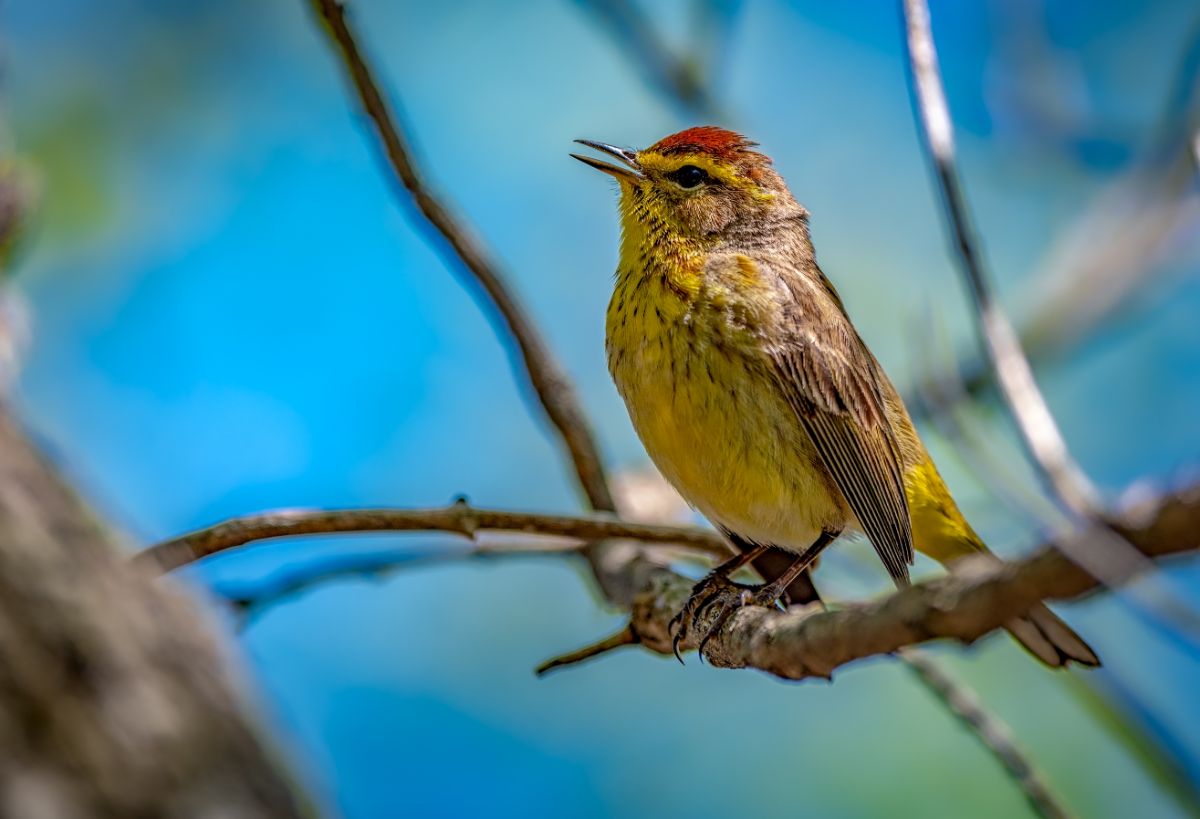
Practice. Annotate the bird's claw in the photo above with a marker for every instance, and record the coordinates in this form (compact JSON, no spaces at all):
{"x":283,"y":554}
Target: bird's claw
{"x":713,"y":593}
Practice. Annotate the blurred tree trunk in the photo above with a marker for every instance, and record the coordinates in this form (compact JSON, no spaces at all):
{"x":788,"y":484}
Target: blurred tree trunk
{"x":115,"y":699}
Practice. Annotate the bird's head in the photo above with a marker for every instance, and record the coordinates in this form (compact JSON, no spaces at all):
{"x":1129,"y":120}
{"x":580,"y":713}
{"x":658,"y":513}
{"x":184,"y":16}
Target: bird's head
{"x":702,"y":183}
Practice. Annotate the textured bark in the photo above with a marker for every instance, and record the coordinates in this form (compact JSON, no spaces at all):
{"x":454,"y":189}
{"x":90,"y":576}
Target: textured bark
{"x":978,"y":597}
{"x":115,"y":700}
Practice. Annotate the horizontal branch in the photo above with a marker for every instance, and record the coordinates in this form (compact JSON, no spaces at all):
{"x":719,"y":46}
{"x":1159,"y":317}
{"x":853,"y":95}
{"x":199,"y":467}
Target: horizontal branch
{"x":459,"y":518}
{"x":979,"y":596}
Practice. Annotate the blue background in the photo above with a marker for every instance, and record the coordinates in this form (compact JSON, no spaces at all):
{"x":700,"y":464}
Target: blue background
{"x":231,"y":313}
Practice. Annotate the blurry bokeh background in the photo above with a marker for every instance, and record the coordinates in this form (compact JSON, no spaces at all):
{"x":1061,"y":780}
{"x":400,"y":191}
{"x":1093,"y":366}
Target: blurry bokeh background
{"x":231,"y":313}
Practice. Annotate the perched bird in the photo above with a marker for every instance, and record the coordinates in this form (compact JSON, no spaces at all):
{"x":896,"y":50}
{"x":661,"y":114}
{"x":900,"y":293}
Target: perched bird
{"x":751,"y":389}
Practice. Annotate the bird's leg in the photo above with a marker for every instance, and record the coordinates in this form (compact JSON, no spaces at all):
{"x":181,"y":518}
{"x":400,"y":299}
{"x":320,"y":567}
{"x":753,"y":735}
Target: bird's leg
{"x":770,"y":593}
{"x":716,"y":579}
{"x":727,"y":601}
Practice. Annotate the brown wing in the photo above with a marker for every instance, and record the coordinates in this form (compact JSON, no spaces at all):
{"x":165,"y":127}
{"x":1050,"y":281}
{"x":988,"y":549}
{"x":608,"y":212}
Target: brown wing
{"x":833,"y":383}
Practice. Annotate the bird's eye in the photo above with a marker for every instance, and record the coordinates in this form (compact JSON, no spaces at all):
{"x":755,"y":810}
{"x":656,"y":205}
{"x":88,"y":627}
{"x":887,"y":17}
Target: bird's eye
{"x":689,"y":176}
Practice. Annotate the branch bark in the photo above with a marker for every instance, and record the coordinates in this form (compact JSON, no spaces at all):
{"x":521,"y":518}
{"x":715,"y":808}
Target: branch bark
{"x":115,"y":700}
{"x":979,"y":596}
{"x":459,"y":518}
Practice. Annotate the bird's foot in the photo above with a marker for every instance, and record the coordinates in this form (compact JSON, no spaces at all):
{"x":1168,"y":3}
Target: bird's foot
{"x":713,"y":601}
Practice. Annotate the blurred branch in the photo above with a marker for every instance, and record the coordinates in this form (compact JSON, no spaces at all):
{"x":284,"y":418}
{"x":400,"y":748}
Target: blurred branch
{"x":994,"y":735}
{"x":1122,"y":239}
{"x":1039,"y":432}
{"x":463,"y":251}
{"x":115,"y":698}
{"x":254,"y":599}
{"x":680,"y":80}
{"x":1102,"y":553}
{"x":1151,"y":740}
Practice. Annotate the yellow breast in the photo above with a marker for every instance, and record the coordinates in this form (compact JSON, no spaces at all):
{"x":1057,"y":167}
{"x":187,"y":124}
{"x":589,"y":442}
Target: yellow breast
{"x":708,"y":413}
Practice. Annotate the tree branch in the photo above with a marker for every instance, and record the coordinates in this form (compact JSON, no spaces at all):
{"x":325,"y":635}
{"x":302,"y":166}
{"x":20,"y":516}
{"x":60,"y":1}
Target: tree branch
{"x":459,"y":518}
{"x":978,"y":596}
{"x":115,"y":698}
{"x":1096,"y":545}
{"x":1039,"y":431}
{"x":464,"y":252}
{"x":680,"y":80}
{"x":992,"y":733}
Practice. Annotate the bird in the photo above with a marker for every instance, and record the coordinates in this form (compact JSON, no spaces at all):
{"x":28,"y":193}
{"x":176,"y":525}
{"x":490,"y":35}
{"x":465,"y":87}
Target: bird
{"x":753,"y":392}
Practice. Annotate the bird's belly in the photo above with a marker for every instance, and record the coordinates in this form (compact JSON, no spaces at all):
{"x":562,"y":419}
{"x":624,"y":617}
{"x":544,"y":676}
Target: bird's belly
{"x":721,"y":434}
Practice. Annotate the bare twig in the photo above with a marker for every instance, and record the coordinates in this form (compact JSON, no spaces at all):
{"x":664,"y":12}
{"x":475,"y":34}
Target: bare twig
{"x":463,"y":251}
{"x":990,"y":731}
{"x":1102,"y":552}
{"x":680,"y":80}
{"x":625,"y":637}
{"x":1038,"y":429}
{"x":459,"y":518}
{"x":1122,"y":239}
{"x":253,"y":599}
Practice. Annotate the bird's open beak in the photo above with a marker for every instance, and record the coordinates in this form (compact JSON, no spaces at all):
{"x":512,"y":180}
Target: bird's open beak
{"x":632,"y":172}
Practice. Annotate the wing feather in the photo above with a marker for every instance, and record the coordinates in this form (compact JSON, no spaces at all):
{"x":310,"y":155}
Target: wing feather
{"x":833,"y":383}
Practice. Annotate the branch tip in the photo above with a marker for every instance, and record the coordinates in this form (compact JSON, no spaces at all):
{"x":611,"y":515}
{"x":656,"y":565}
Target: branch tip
{"x":625,"y":637}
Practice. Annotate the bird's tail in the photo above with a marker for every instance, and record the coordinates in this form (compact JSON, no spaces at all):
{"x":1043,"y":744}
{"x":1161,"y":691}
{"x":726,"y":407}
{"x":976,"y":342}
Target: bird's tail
{"x":943,"y":533}
{"x":1052,"y":641}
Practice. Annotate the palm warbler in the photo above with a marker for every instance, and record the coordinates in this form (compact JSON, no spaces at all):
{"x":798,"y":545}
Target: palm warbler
{"x":751,"y":389}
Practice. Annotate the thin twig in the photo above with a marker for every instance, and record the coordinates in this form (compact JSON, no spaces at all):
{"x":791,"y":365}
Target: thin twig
{"x":945,"y":395}
{"x":464,"y":252}
{"x":679,"y":80}
{"x":1102,"y":552}
{"x":459,"y":518}
{"x":1111,"y":251}
{"x":995,"y":736}
{"x":625,"y":637}
{"x":253,"y":599}
{"x":1038,"y":429}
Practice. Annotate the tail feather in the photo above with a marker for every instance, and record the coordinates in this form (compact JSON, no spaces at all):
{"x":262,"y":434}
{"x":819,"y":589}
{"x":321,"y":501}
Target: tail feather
{"x":1052,"y":641}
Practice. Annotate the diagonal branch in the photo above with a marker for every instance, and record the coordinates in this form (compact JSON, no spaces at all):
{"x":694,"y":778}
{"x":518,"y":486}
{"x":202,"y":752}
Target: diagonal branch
{"x":991,"y":732}
{"x":1036,"y":425}
{"x":1102,"y":552}
{"x":464,"y":252}
{"x":681,"y":80}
